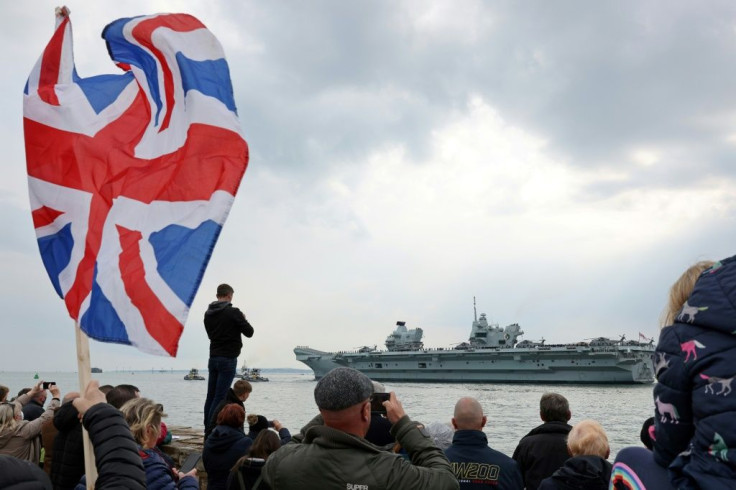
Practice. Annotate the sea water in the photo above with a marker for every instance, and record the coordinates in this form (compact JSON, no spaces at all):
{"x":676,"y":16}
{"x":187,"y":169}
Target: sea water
{"x":512,"y":409}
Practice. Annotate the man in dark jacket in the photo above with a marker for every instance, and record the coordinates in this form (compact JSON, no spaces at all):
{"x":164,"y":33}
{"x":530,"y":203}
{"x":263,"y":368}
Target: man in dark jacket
{"x":224,"y":324}
{"x":587,"y":443}
{"x":67,"y":465}
{"x":544,"y":449}
{"x":238,"y":394}
{"x":336,"y":455}
{"x":34,"y":409}
{"x":474,"y":463}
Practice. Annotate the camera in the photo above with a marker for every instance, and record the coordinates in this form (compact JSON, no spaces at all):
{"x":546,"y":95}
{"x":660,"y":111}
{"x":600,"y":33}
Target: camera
{"x":377,"y":402}
{"x":46,"y":384}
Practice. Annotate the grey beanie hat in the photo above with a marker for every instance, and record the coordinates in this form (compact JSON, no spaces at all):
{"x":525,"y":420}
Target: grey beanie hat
{"x":342,"y":388}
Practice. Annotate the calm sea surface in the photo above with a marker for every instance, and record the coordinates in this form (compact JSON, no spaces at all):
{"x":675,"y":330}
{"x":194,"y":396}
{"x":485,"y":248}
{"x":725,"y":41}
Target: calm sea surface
{"x":512,"y":410}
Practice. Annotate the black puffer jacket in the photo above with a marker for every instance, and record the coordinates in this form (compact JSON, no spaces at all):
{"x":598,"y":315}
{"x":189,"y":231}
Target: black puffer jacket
{"x":17,"y":474}
{"x":542,"y":452}
{"x":116,"y":454}
{"x":580,"y":473}
{"x":67,"y":466}
{"x":224,"y":324}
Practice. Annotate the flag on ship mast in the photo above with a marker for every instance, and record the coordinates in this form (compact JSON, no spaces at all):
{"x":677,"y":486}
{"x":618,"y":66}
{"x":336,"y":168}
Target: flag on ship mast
{"x":131,"y":176}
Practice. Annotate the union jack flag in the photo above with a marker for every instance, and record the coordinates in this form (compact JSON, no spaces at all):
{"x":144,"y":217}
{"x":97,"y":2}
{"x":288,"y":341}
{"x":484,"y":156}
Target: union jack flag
{"x":131,"y":176}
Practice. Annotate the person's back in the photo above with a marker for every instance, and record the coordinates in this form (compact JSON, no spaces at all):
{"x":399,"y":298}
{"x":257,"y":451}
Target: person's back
{"x":336,"y":456}
{"x":544,"y":449}
{"x":588,"y":467}
{"x":226,"y":444}
{"x":474,"y":463}
{"x":67,"y":466}
{"x":225,"y":324}
{"x":246,"y":474}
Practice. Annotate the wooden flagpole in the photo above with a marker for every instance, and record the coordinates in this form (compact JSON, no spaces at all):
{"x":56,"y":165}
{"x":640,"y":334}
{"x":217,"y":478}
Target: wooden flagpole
{"x":85,"y":375}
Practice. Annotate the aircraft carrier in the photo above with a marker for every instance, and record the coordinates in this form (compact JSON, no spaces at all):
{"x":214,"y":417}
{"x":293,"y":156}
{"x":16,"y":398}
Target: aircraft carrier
{"x":492,"y":355}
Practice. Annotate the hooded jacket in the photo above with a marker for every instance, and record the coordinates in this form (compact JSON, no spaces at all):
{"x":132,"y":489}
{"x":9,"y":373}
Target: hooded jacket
{"x":695,"y":429}
{"x":224,"y":325}
{"x":224,"y":447}
{"x":330,"y":458}
{"x":580,"y":473}
{"x":67,"y":465}
{"x":478,"y":466}
{"x":247,"y":474}
{"x":542,"y":451}
{"x":23,"y":441}
{"x":230,"y":397}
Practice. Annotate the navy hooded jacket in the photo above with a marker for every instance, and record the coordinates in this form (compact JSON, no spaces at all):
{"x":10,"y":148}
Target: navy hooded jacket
{"x":224,"y":447}
{"x":695,"y":405}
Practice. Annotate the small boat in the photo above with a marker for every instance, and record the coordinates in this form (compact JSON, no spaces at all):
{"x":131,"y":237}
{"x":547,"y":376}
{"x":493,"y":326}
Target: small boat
{"x":251,"y":375}
{"x":193,"y":375}
{"x":96,"y":370}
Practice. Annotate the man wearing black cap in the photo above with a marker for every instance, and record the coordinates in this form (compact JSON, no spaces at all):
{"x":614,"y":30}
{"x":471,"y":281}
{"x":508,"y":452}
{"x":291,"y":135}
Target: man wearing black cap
{"x":336,"y":455}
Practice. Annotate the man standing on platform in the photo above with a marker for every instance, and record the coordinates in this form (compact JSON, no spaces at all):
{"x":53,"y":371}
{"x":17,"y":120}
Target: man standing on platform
{"x":224,"y":324}
{"x":474,"y":463}
{"x":544,"y":449}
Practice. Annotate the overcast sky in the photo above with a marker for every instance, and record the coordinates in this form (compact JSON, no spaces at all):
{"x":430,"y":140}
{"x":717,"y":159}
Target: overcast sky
{"x":562,"y":162}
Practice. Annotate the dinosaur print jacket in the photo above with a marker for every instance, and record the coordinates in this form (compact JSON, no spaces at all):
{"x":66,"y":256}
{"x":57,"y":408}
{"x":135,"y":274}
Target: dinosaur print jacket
{"x":695,"y":404}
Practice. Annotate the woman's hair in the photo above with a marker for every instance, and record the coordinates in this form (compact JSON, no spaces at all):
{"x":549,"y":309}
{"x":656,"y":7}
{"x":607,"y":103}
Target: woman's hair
{"x":681,"y":289}
{"x":3,"y":392}
{"x":266,"y":443}
{"x":232,"y":415}
{"x":587,"y":438}
{"x":7,"y":415}
{"x":141,"y":413}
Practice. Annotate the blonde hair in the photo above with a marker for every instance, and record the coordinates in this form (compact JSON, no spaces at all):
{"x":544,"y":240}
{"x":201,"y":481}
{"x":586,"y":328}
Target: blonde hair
{"x":8,"y":411}
{"x":681,"y":289}
{"x":141,"y":413}
{"x":588,"y":438}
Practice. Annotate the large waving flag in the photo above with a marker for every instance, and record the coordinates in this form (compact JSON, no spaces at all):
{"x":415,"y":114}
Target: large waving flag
{"x":131,"y":176}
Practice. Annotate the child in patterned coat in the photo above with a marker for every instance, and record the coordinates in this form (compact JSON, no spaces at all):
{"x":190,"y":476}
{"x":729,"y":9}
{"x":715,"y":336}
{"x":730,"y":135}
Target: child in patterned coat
{"x":695,"y":363}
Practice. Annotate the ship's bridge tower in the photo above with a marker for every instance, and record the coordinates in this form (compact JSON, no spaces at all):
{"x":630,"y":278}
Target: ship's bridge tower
{"x":404,"y":339}
{"x":484,"y":334}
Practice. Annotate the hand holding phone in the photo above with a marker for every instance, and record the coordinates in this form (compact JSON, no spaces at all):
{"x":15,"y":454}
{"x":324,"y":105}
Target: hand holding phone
{"x":377,"y":402}
{"x":190,"y":462}
{"x":46,"y":384}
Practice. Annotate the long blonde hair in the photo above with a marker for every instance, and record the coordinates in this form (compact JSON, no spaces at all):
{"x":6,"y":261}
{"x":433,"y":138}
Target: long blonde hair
{"x":681,"y":289}
{"x":8,"y":411}
{"x":141,"y":413}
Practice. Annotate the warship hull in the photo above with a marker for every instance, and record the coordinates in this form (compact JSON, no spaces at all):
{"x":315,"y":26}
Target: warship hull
{"x":613,"y":364}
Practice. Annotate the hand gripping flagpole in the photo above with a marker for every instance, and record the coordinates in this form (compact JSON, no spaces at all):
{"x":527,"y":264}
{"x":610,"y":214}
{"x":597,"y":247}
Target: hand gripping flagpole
{"x":85,"y":375}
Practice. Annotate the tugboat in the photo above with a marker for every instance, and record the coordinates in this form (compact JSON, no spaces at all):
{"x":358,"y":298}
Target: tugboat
{"x":193,"y":375}
{"x":252,"y":375}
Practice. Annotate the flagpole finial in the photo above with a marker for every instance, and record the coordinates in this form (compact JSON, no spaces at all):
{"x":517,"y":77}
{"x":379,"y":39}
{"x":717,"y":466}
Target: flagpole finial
{"x":63,"y":11}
